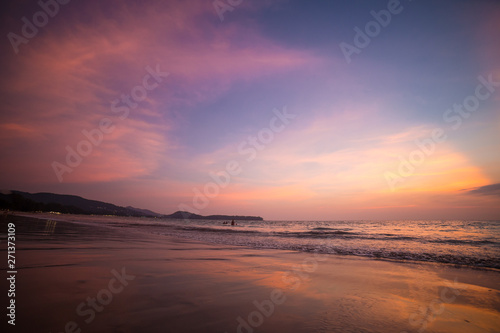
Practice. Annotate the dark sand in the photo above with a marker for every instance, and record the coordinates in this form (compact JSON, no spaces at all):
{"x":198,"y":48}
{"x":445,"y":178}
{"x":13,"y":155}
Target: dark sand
{"x":181,"y":285}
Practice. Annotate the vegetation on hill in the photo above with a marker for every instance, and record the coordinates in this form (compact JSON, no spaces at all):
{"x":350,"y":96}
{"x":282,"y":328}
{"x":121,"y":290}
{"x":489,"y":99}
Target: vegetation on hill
{"x":72,"y":204}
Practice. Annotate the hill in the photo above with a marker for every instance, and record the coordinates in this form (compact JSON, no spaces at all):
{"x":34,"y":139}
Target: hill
{"x":69,"y":204}
{"x":72,"y":204}
{"x":191,"y":216}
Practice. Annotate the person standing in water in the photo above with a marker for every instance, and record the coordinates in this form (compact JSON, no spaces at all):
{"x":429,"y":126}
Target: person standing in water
{"x":232,"y":222}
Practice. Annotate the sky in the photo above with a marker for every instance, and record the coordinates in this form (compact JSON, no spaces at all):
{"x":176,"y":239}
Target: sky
{"x":289,"y":110}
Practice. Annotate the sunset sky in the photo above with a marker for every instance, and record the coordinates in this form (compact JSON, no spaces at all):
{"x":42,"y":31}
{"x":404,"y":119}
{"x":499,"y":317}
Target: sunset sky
{"x":261,"y":97}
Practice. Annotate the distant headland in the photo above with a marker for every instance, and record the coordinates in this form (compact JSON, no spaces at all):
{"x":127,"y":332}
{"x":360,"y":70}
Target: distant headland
{"x":191,"y":216}
{"x":72,"y":204}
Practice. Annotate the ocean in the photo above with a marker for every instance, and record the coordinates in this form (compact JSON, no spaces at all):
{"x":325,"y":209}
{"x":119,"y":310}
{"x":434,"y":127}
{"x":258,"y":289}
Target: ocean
{"x":467,"y":243}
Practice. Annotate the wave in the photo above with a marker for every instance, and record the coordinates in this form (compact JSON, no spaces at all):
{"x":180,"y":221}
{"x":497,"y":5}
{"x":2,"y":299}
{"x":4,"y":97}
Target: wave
{"x":315,"y":234}
{"x":358,"y":249}
{"x":219,"y":230}
{"x":323,"y":228}
{"x":461,"y":260}
{"x":325,"y":233}
{"x":387,"y":244}
{"x":462,"y":241}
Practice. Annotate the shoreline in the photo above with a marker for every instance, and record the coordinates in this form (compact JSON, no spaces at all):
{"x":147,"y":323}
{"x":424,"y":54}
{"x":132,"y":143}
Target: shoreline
{"x":74,"y":218}
{"x":184,"y":285}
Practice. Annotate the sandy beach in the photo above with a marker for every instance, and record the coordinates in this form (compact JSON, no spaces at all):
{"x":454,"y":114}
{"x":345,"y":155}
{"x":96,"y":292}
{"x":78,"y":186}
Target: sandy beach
{"x":74,"y":277}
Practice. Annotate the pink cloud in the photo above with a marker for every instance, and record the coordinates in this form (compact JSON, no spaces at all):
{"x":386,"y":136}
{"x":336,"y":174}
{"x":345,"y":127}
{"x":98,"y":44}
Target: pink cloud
{"x":64,"y":81}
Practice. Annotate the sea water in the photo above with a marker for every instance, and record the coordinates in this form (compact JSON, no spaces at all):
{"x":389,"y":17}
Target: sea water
{"x":470,"y":243}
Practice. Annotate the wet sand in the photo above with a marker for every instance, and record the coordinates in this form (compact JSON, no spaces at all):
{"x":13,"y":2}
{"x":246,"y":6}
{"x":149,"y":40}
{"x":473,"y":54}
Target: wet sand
{"x":87,"y":278}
